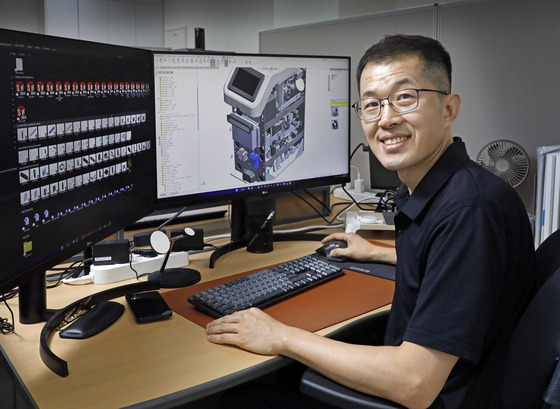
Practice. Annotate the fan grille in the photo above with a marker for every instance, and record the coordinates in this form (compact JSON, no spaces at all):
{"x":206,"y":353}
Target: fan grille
{"x":505,"y":159}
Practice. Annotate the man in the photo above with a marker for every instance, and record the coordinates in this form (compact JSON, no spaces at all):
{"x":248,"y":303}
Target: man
{"x":463,"y":244}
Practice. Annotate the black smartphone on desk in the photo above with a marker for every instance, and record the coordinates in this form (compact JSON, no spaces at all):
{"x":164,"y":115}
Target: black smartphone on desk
{"x":148,"y":307}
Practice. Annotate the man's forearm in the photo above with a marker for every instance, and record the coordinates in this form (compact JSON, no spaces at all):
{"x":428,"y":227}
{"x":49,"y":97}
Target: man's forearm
{"x":410,"y":374}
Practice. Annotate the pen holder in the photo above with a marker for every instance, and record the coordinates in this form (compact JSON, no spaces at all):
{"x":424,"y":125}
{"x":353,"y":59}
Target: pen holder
{"x":259,"y":235}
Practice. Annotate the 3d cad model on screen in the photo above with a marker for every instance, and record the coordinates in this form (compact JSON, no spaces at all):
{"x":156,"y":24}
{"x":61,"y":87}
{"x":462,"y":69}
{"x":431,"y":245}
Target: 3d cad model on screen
{"x":267,"y":118}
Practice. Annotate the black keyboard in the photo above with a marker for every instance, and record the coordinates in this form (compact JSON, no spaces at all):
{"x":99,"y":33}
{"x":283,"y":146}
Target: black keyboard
{"x":265,"y":287}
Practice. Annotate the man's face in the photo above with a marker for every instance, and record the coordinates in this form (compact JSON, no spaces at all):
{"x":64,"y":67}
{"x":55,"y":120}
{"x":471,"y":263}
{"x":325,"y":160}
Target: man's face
{"x":412,"y":142}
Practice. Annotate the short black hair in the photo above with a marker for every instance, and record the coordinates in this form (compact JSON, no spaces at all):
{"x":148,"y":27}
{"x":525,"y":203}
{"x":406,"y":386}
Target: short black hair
{"x":436,"y":59}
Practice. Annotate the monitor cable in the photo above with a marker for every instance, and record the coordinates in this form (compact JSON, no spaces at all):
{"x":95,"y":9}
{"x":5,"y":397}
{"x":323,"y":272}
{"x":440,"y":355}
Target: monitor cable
{"x":322,"y":203}
{"x":7,"y":327}
{"x":335,"y":218}
{"x":66,"y":272}
{"x":364,"y":146}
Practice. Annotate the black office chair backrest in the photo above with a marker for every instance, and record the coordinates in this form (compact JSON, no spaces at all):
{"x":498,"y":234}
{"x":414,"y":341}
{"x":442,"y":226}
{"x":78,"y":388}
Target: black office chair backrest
{"x":534,"y":350}
{"x":547,"y":257}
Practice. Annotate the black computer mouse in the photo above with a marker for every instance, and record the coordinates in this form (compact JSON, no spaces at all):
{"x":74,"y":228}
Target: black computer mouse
{"x":325,"y":250}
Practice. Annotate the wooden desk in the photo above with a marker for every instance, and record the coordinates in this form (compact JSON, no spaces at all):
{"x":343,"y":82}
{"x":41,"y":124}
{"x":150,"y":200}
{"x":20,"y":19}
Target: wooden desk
{"x":158,"y":364}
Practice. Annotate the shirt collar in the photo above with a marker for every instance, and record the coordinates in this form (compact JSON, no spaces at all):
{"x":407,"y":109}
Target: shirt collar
{"x":451,"y":160}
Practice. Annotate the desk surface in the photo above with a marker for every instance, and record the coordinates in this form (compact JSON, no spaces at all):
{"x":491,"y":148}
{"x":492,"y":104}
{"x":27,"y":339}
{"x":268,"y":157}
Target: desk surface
{"x":163,"y":363}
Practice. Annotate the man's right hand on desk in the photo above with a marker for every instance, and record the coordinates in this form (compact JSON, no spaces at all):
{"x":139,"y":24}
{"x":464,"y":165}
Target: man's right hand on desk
{"x":360,"y":249}
{"x":250,"y":329}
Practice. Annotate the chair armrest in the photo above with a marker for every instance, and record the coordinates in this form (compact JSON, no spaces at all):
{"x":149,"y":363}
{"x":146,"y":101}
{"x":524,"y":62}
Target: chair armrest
{"x":324,"y":389}
{"x":552,"y":394}
{"x":368,"y":330}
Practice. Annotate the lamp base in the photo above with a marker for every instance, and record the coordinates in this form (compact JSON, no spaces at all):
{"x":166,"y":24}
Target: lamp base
{"x":175,"y":277}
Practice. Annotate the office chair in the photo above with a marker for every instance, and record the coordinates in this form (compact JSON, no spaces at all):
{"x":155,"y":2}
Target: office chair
{"x":547,"y":259}
{"x":531,"y":377}
{"x":326,"y":390}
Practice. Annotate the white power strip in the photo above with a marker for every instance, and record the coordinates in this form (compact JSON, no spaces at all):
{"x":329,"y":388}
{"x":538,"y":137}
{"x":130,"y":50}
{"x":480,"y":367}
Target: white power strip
{"x":358,"y":196}
{"x":112,"y":273}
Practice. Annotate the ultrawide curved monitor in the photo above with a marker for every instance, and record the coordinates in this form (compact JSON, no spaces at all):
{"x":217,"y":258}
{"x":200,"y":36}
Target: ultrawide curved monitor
{"x":76,"y":147}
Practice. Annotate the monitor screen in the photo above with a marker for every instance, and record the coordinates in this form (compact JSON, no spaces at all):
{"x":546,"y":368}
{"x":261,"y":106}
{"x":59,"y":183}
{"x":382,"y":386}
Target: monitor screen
{"x":381,"y":178}
{"x":77,"y":154}
{"x":240,"y":125}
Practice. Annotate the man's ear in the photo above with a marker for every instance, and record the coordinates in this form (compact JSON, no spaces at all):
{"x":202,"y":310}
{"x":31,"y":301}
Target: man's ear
{"x":452,"y":107}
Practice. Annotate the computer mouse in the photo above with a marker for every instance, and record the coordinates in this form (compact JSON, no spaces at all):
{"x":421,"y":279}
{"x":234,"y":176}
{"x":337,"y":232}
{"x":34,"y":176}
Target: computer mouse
{"x":325,"y":250}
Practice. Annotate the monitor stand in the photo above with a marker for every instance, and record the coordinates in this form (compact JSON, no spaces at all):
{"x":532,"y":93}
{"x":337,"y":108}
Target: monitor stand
{"x":33,"y":293}
{"x":258,"y":210}
{"x":33,"y":300}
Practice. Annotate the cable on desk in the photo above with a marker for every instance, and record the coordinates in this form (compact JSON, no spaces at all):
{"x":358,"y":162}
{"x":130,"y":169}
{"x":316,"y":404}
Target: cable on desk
{"x":349,"y":205}
{"x":386,"y":201}
{"x":336,"y":217}
{"x":65,"y":272}
{"x":214,"y":247}
{"x":317,"y":200}
{"x":309,"y":228}
{"x":132,"y":268}
{"x":313,"y":207}
{"x":352,"y":198}
{"x":215,"y":237}
{"x":5,"y":326}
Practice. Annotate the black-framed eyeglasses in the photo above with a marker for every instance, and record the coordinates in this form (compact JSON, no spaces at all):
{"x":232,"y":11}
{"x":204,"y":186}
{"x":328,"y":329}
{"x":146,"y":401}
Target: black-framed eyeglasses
{"x":401,"y":101}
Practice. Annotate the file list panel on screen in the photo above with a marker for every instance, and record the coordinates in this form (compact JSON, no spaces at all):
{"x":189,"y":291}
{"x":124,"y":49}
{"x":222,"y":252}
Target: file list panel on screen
{"x":77,"y":147}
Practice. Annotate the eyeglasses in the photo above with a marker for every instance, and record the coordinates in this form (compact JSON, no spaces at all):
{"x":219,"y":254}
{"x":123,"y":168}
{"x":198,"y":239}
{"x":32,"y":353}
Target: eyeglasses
{"x":401,"y":101}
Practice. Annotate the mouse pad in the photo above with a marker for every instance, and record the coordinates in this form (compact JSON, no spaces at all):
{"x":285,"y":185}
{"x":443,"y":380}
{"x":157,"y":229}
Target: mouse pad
{"x":375,"y":269}
{"x":335,"y":301}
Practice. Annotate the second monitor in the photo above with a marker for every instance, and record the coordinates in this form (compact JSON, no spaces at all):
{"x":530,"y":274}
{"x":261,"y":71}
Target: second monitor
{"x":235,"y":126}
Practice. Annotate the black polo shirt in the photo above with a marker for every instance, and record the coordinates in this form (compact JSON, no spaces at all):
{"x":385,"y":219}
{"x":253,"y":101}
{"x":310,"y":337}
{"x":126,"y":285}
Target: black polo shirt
{"x":464,"y":271}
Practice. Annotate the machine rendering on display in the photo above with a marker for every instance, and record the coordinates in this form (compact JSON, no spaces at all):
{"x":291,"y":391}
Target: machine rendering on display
{"x":268,"y":120}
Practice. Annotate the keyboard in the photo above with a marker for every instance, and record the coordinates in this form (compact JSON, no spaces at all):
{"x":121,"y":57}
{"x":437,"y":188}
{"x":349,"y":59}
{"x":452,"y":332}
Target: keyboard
{"x":265,"y":287}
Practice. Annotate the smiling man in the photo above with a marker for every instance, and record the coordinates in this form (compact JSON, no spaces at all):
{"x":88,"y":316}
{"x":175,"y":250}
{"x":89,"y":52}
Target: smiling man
{"x":463,"y":251}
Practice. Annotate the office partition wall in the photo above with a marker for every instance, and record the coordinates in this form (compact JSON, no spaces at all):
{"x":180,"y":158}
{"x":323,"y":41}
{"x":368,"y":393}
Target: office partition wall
{"x":505,"y":64}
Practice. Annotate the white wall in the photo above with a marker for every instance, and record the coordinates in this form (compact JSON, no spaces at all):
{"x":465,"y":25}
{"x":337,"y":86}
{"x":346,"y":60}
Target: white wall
{"x":229,"y":25}
{"x":235,"y":25}
{"x":122,"y":22}
{"x":25,"y":15}
{"x":294,"y":12}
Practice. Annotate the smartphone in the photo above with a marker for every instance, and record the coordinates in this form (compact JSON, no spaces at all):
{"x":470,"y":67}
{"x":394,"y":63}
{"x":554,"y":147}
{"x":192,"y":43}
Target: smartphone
{"x":148,"y":307}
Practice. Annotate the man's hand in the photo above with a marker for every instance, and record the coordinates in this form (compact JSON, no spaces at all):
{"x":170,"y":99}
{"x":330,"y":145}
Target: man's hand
{"x":250,"y":329}
{"x":360,"y":249}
